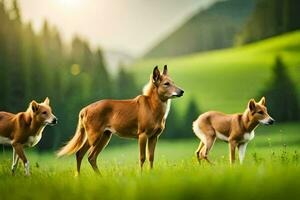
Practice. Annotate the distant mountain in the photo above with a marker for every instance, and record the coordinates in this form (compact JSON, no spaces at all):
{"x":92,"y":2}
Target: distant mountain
{"x":213,"y":28}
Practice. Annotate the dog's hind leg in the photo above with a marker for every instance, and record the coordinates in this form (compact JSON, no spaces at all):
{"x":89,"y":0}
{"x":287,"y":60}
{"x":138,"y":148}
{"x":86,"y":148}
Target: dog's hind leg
{"x":96,"y":148}
{"x":200,"y":147}
{"x":80,"y":154}
{"x":209,"y":144}
{"x":142,"y":146}
{"x":20,"y":152}
{"x":203,"y":137}
{"x":15,"y":161}
{"x":210,"y":138}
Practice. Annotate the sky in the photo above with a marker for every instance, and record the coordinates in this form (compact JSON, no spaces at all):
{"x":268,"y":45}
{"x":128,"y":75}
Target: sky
{"x":128,"y":26}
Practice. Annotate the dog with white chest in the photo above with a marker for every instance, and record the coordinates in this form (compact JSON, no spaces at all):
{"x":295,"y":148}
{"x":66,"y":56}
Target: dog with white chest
{"x":236,"y":129}
{"x":25,"y":129}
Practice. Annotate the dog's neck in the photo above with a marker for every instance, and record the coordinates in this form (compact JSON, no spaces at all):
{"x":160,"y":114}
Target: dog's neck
{"x":158,"y":106}
{"x":32,"y":124}
{"x":248,"y":124}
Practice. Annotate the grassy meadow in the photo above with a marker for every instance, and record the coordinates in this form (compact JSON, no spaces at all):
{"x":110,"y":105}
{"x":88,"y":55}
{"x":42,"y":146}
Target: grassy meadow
{"x":271,"y":170}
{"x":226,"y":79}
{"x":74,"y":72}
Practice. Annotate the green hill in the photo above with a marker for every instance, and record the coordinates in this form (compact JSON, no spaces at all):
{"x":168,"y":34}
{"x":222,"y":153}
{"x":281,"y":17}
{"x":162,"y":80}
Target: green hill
{"x":213,"y":28}
{"x":225,"y":79}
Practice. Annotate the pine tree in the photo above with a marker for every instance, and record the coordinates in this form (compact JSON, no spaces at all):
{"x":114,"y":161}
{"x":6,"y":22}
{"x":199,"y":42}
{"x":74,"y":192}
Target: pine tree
{"x":281,"y":94}
{"x":126,"y":86}
{"x":270,"y":18}
{"x":15,"y":69}
{"x":16,"y":11}
{"x":101,"y":82}
{"x":4,"y":20}
{"x":173,"y":125}
{"x":191,"y":114}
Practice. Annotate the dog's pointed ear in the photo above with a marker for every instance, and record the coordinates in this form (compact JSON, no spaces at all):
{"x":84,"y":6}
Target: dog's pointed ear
{"x":34,"y":106}
{"x":262,"y":101}
{"x":156,"y":75}
{"x":165,"y":72}
{"x":47,"y":101}
{"x":251,"y":104}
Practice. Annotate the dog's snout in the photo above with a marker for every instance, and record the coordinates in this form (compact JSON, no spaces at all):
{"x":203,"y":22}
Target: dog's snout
{"x":272,"y":121}
{"x":54,"y":121}
{"x":180,"y":93}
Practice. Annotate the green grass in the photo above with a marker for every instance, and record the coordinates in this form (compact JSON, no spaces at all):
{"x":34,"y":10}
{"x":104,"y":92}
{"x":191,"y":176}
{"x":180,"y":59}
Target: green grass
{"x":271,"y":170}
{"x":226,"y":79}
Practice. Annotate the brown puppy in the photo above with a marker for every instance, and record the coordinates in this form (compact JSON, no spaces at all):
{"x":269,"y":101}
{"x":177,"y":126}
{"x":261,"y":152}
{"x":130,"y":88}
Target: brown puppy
{"x":25,"y":129}
{"x":236,"y":129}
{"x":142,"y":117}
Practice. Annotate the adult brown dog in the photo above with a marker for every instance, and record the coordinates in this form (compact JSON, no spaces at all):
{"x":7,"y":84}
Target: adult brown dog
{"x":143,"y":118}
{"x":25,"y":129}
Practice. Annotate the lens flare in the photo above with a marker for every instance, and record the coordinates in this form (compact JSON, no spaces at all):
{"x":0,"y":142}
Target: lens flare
{"x":75,"y":69}
{"x":70,"y":3}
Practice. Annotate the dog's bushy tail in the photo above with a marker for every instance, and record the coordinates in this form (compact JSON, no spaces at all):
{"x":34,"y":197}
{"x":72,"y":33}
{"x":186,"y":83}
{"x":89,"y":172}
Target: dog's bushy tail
{"x":76,"y":142}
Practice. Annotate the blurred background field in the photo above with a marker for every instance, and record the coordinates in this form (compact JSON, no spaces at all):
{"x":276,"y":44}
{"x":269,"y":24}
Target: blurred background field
{"x":222,"y":53}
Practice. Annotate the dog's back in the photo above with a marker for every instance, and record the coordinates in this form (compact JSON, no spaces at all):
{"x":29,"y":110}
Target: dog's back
{"x":6,"y":125}
{"x":116,"y":116}
{"x":213,"y":121}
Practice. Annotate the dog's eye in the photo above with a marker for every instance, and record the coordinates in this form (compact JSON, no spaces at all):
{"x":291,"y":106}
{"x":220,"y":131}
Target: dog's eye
{"x":167,"y":84}
{"x":261,"y":112}
{"x":44,"y":113}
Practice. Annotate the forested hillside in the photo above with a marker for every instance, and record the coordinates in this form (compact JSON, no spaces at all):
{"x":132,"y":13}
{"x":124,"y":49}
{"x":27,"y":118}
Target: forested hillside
{"x":213,"y":28}
{"x":270,"y":18}
{"x":230,"y":23}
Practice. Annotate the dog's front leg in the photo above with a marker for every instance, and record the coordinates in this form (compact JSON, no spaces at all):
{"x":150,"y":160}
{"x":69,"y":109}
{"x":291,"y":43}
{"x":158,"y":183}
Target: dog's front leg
{"x":242,"y":151}
{"x":232,"y":147}
{"x":15,"y":161}
{"x":142,"y":146}
{"x":20,"y":152}
{"x":151,"y":149}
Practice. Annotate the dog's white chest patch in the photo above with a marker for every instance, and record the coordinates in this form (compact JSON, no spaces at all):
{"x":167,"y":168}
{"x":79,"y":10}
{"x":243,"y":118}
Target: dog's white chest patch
{"x":249,"y":136}
{"x":4,"y":140}
{"x":33,"y":140}
{"x":168,"y":106}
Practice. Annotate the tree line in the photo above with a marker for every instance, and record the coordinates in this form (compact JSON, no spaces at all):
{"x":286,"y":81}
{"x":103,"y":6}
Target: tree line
{"x":34,"y":66}
{"x":270,"y":18}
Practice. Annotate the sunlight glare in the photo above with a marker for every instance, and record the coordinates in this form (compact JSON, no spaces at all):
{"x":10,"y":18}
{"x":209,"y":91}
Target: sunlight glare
{"x":70,"y":3}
